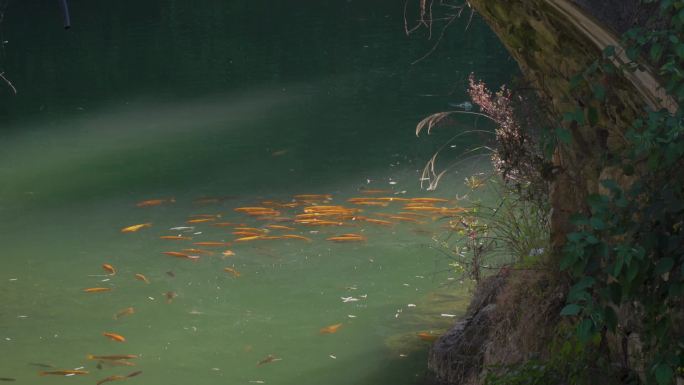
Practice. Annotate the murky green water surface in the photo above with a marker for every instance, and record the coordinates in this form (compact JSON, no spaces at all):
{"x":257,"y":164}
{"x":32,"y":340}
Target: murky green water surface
{"x":247,"y":101}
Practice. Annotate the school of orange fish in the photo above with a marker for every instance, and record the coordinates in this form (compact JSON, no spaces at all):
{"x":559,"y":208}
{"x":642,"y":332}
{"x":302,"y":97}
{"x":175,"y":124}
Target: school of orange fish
{"x":274,"y":221}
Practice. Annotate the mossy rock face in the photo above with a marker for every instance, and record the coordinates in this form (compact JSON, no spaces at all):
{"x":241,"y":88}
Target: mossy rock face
{"x":551,"y":49}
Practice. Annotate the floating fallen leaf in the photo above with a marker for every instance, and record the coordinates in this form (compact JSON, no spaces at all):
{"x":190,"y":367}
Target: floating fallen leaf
{"x":268,"y":359}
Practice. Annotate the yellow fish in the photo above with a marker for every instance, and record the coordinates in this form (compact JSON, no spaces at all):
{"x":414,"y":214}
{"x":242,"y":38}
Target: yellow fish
{"x":134,"y":228}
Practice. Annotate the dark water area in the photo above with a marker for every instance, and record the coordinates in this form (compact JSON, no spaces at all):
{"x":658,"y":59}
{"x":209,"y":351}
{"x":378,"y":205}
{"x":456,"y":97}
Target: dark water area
{"x":241,"y":101}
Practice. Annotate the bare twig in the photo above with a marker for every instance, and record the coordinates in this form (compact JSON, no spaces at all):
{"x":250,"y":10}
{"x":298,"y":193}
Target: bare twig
{"x":9,"y":83}
{"x":434,"y":47}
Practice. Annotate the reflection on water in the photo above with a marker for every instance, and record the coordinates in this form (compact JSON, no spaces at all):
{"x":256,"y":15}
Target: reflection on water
{"x":207,"y":108}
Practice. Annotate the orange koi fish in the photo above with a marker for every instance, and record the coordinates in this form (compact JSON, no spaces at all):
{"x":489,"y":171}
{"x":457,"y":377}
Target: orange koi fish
{"x":112,"y":358}
{"x":425,"y":336}
{"x":181,"y":255}
{"x":114,"y":337}
{"x":251,"y":209}
{"x":155,"y":202}
{"x":197,"y":216}
{"x":118,"y":377}
{"x":109,"y":268}
{"x":313,"y":197}
{"x":228,"y":253}
{"x":331,"y":329}
{"x":224,"y":224}
{"x":232,"y":271}
{"x":280,"y":227}
{"x":347,"y":238}
{"x":250,"y":238}
{"x":428,"y":200}
{"x":375,"y":221}
{"x":101,"y":363}
{"x":266,"y":214}
{"x":246,"y":233}
{"x":295,"y":236}
{"x":418,"y":215}
{"x":64,"y":373}
{"x":111,"y":378}
{"x":402,"y":218}
{"x":318,"y":222}
{"x":97,"y":289}
{"x":175,"y":237}
{"x":198,"y":251}
{"x":141,"y":277}
{"x":430,"y":209}
{"x":371,"y":203}
{"x":212,"y":244}
{"x":124,"y":312}
{"x":134,"y":228}
{"x":200,"y":220}
{"x":250,"y":229}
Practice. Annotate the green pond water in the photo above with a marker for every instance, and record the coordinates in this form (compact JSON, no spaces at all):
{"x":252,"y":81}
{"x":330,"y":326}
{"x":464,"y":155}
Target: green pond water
{"x":246,"y":101}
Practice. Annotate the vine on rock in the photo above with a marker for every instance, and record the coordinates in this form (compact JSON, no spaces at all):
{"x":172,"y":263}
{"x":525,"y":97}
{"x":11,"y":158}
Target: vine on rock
{"x":626,"y":256}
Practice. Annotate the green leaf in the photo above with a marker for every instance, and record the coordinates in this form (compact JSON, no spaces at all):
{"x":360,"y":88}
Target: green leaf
{"x":579,"y":295}
{"x":664,"y":374}
{"x":592,"y":240}
{"x":585,"y":330}
{"x":564,"y":135}
{"x":618,"y":266}
{"x":584,"y":283}
{"x":592,"y":116}
{"x":597,"y":223}
{"x":632,"y":53}
{"x":571,"y":309}
{"x":664,"y":265}
{"x":679,"y":50}
{"x":656,"y":51}
{"x":568,"y":116}
{"x":632,"y":272}
{"x":599,"y":92}
{"x":574,"y":237}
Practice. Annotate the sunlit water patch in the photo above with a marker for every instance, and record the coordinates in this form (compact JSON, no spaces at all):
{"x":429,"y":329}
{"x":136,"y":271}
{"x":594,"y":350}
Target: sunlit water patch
{"x":305,"y":306}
